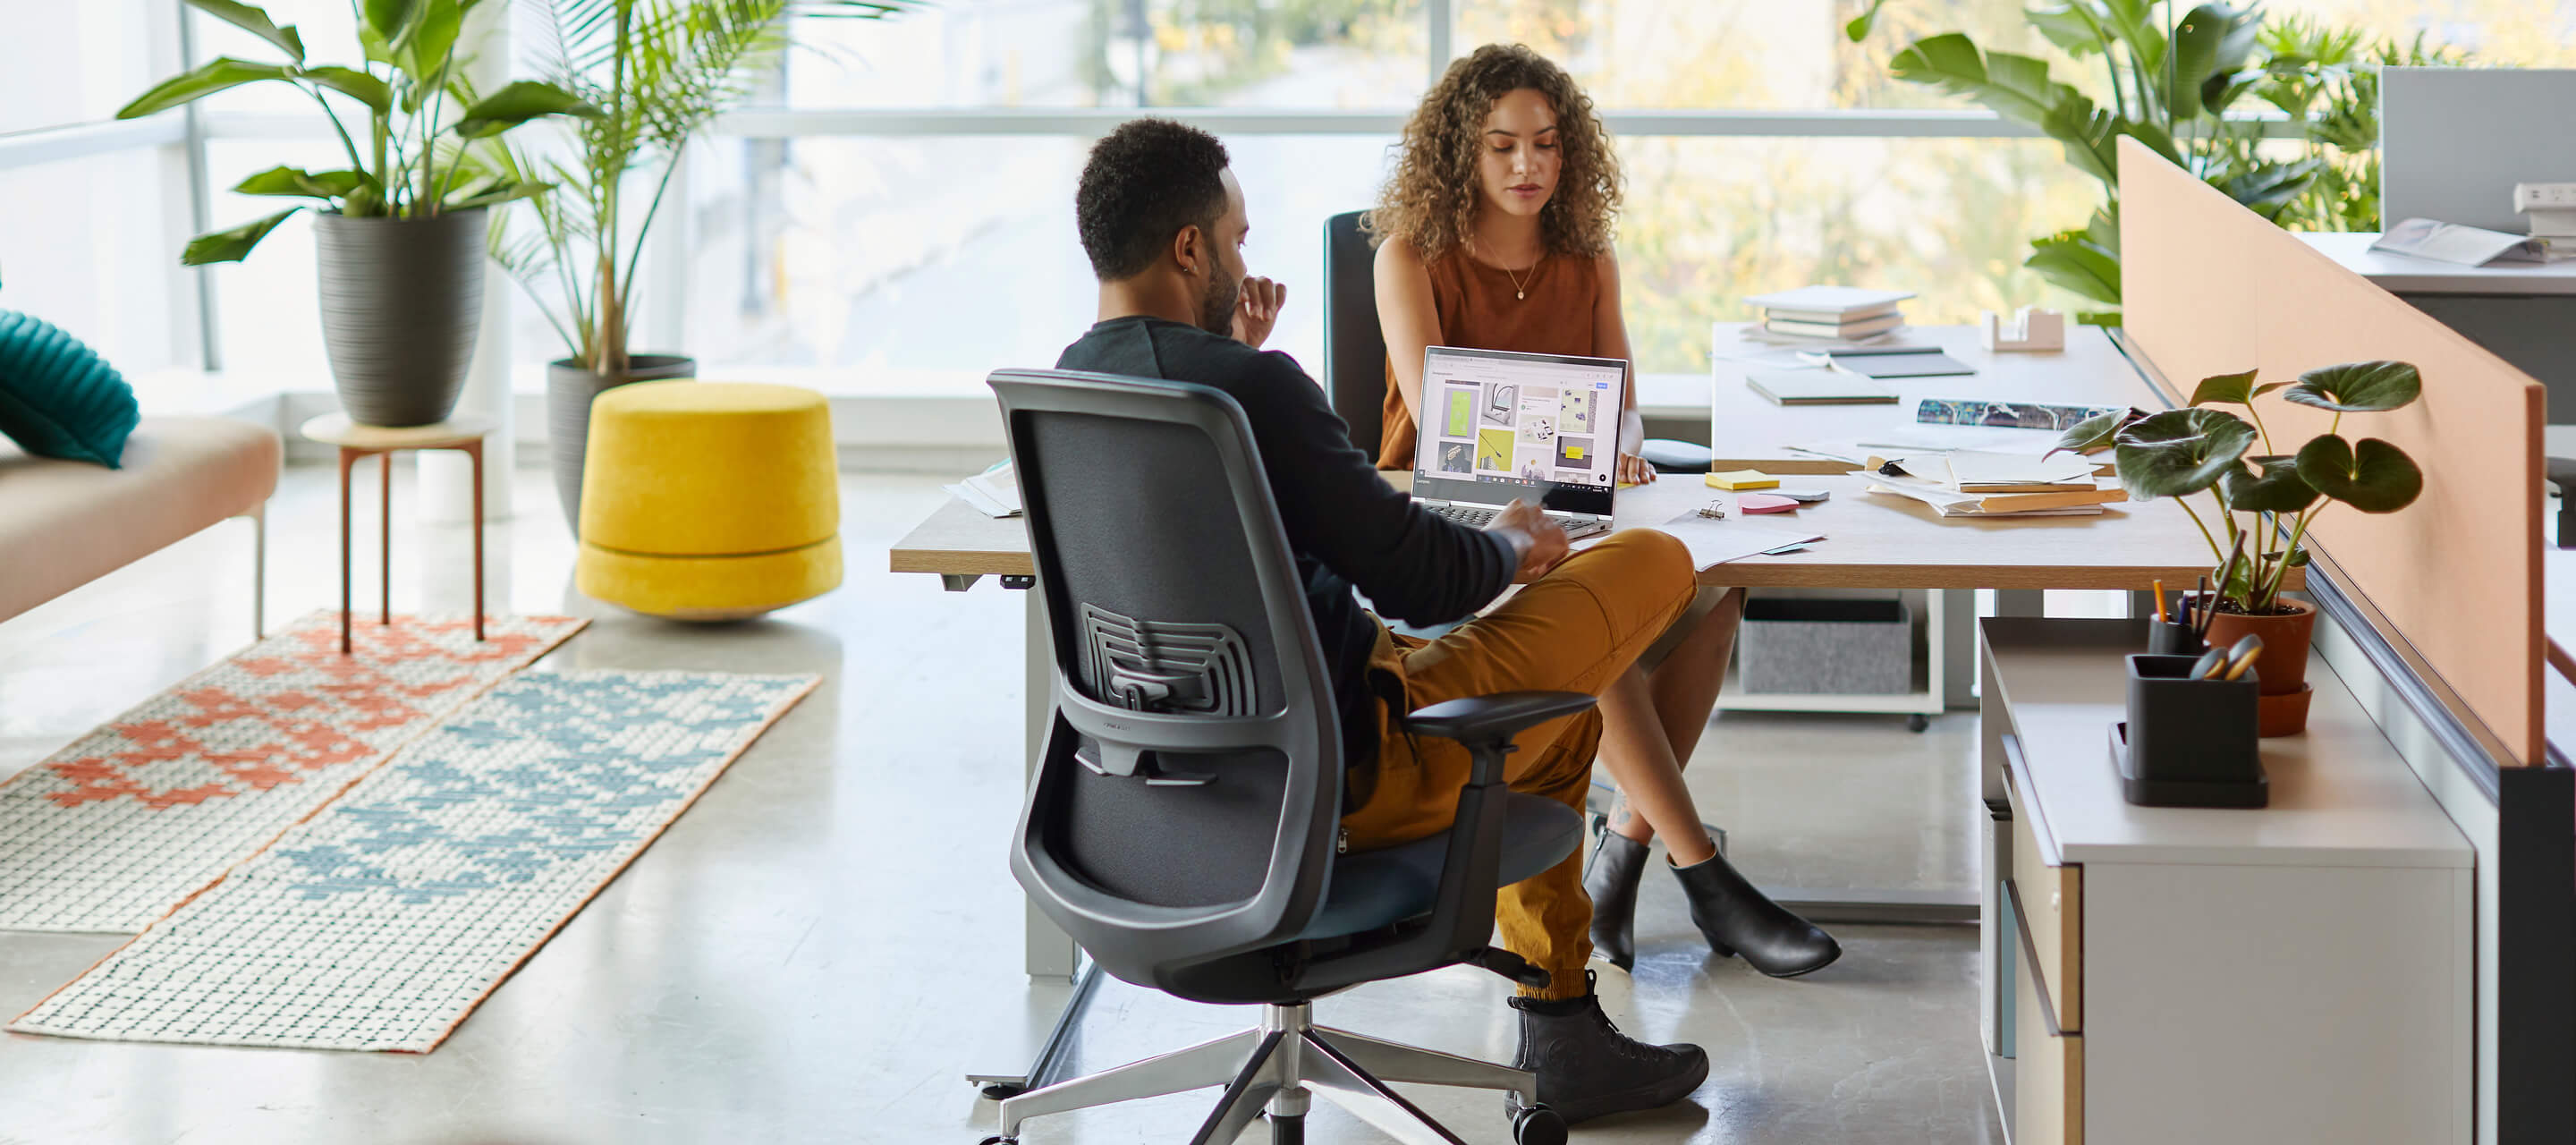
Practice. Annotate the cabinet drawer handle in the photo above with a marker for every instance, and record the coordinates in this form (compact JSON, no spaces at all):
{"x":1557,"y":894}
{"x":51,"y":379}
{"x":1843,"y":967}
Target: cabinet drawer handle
{"x":2029,"y":950}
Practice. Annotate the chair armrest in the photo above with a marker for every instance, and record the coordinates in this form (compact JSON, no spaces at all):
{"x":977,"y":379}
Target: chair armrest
{"x":1496,"y":717}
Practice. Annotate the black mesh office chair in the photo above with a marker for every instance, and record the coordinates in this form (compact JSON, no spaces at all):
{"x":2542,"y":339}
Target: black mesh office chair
{"x":1355,"y":350}
{"x":1183,"y":820}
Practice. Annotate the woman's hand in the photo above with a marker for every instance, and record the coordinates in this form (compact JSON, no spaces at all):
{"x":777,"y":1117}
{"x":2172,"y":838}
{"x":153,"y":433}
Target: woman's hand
{"x":1258,"y":310}
{"x":1633,"y":470}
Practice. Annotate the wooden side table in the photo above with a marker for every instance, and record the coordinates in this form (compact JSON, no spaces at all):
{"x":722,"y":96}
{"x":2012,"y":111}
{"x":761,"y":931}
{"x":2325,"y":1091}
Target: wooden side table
{"x":464,"y":434}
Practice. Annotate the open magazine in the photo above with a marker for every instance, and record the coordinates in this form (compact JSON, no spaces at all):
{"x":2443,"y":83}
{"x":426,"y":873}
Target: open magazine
{"x":2467,"y":246}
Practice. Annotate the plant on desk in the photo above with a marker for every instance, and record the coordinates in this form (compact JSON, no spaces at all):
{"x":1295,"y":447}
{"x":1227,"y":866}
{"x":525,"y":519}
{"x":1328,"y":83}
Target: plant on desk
{"x":2266,"y":500}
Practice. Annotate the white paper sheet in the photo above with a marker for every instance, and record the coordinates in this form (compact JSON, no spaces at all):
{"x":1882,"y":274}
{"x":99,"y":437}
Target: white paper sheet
{"x":1716,"y":540}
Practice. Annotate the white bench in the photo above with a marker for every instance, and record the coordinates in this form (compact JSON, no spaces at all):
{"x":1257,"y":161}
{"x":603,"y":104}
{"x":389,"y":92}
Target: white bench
{"x":64,"y":524}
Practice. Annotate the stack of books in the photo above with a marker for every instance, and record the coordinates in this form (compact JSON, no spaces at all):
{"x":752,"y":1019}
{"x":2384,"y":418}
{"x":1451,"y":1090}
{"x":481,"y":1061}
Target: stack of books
{"x":1978,"y":483}
{"x":1830,"y":313}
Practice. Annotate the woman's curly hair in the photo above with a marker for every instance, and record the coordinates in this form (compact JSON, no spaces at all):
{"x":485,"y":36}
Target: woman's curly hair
{"x":1434,"y":191}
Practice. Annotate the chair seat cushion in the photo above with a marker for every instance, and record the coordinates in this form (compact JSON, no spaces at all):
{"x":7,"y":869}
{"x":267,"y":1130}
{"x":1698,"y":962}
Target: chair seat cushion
{"x":1372,"y":889}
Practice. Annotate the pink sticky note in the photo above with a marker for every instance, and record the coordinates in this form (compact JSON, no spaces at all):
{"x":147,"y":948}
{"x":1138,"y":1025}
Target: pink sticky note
{"x":1763,"y":503}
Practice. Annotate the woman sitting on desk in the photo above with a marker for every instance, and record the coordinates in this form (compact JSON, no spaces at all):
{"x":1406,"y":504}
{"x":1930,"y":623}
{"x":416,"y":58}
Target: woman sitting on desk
{"x":1494,"y":233}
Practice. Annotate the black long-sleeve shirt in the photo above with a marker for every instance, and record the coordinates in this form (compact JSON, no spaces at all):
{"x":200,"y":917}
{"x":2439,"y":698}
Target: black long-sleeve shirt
{"x":1347,"y":526}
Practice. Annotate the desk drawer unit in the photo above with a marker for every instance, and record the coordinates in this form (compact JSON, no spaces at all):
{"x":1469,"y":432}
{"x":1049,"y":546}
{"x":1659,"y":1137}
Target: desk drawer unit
{"x":2299,"y":973}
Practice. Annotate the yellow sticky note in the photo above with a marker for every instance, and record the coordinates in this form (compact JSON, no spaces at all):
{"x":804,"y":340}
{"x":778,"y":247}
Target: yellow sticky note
{"x":1742,"y":479}
{"x":1575,"y":452}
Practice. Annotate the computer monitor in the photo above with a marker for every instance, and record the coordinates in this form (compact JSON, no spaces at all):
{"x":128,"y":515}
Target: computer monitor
{"x":2454,"y":141}
{"x":1499,"y":426}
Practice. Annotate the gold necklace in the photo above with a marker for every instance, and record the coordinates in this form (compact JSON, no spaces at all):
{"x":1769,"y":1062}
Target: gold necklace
{"x":1517,"y":291}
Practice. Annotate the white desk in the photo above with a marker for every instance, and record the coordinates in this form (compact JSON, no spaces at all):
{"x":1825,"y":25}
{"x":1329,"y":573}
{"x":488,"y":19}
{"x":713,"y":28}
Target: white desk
{"x":1747,"y":431}
{"x":2406,"y":274}
{"x":2525,"y":313}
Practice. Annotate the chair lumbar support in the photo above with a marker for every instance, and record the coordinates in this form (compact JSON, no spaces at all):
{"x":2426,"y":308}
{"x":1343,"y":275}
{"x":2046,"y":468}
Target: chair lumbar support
{"x":1279,"y":1067}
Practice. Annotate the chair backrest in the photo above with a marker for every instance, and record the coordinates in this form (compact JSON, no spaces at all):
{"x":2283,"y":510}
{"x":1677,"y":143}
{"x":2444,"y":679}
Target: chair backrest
{"x":1188,"y":793}
{"x":1354,"y":343}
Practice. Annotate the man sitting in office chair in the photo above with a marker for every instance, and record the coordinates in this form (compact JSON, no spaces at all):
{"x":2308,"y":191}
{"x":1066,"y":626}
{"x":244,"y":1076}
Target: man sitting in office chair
{"x":1163,"y":221}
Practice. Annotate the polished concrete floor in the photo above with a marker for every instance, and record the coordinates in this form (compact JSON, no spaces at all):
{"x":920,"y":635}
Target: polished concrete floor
{"x":825,"y":944}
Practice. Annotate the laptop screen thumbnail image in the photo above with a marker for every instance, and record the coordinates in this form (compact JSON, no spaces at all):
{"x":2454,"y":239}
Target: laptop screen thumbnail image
{"x":1500,"y":426}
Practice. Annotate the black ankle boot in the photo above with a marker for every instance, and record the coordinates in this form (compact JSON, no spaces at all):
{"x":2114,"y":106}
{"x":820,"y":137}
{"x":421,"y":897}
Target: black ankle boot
{"x":1586,"y":1068}
{"x":1618,"y":862}
{"x":1738,"y":919}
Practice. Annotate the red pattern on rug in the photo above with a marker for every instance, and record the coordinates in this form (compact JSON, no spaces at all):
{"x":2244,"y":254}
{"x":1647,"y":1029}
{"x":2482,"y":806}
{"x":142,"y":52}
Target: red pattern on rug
{"x":121,"y":824}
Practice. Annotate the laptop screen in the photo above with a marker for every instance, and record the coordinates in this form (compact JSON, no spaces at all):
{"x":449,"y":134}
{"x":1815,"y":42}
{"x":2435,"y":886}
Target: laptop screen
{"x":1500,"y":426}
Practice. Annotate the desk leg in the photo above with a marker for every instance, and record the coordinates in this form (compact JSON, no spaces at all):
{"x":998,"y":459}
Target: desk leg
{"x":1958,"y":645}
{"x":1050,"y":953}
{"x":1059,"y":984}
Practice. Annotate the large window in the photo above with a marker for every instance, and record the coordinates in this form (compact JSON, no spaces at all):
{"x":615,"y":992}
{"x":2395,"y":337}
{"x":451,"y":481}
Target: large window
{"x":895,"y":214}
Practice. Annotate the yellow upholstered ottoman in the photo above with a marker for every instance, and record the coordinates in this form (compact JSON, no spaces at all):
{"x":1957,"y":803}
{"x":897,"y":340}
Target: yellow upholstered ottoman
{"x":709,"y":500}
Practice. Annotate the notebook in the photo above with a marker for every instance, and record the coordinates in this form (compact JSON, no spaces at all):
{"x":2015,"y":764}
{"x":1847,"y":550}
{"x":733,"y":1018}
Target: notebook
{"x":1833,"y":328}
{"x":1898,"y":362}
{"x":1817,"y":388}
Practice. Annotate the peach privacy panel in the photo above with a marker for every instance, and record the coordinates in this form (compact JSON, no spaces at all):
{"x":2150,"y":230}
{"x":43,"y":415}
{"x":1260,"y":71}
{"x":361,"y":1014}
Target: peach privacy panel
{"x":2211,"y":288}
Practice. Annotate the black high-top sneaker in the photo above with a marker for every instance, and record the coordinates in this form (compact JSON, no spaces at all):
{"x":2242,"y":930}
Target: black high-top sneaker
{"x":1586,"y":1068}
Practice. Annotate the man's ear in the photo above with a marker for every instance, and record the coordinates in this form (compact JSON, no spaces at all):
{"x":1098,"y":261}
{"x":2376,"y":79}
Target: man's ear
{"x":1189,"y":248}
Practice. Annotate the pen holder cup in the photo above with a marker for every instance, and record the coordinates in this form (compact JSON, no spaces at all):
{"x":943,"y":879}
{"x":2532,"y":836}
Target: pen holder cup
{"x":2172,"y":640}
{"x":2189,"y":742}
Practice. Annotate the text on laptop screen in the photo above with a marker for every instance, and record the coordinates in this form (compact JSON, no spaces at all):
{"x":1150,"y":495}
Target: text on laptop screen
{"x":1521,"y":421}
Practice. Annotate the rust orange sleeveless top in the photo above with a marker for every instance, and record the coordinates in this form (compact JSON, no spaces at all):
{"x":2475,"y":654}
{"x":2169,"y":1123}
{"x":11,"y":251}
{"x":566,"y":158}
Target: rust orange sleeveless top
{"x":1476,"y":309}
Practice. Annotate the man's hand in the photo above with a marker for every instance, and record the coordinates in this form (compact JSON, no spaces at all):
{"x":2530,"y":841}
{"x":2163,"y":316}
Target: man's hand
{"x":1258,"y":310}
{"x":1538,"y":539}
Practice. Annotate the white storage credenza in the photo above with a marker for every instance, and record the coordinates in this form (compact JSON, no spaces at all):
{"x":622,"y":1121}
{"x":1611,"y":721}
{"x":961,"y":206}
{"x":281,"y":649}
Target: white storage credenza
{"x":2297,"y":973}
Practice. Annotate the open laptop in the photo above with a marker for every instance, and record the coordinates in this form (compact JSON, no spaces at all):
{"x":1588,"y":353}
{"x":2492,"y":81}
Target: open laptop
{"x":1499,"y":427}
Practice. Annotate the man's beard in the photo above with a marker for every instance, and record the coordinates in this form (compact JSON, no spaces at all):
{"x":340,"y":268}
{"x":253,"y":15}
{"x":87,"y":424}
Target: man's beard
{"x":1216,"y":314}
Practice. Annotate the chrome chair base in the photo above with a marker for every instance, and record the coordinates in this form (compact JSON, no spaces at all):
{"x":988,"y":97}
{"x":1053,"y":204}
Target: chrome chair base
{"x":1280,"y":1067}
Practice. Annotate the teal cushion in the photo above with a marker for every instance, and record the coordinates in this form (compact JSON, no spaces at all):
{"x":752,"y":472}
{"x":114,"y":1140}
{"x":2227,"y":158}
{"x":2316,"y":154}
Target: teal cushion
{"x":58,"y":398}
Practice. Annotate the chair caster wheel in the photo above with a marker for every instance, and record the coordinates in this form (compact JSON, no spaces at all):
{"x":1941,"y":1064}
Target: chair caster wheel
{"x":1287,"y":1130}
{"x":1538,"y":1125}
{"x":1000,"y":1141}
{"x":1917,"y":722}
{"x":1002,"y":1090}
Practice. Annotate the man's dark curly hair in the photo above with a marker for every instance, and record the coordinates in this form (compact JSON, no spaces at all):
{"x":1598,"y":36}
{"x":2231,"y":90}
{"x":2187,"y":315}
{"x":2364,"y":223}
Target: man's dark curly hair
{"x":1146,"y":181}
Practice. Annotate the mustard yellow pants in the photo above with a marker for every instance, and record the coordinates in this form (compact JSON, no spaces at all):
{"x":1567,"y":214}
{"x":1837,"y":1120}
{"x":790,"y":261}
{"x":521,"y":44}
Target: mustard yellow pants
{"x":1574,"y":630}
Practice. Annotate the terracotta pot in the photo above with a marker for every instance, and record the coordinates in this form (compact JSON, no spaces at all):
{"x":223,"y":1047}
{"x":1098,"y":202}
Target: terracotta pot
{"x":2282,"y":664}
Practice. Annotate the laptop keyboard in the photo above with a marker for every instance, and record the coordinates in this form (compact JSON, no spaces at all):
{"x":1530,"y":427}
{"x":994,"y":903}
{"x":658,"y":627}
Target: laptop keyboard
{"x":1477,"y":517}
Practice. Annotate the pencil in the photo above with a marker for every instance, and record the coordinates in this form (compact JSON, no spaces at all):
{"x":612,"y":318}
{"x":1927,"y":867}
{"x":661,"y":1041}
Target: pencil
{"x":2160,"y":602}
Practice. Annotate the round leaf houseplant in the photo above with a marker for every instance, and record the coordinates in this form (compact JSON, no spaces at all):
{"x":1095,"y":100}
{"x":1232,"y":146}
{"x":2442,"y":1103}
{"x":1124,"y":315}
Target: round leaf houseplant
{"x":2265,"y":500}
{"x":663,"y":70}
{"x":401,"y":228}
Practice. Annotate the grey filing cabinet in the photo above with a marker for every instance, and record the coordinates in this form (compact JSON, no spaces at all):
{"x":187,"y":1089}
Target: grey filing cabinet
{"x":2301,"y":972}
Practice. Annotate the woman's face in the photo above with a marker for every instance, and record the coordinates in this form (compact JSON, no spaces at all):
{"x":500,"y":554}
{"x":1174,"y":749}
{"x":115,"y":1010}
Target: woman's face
{"x":1517,"y":159}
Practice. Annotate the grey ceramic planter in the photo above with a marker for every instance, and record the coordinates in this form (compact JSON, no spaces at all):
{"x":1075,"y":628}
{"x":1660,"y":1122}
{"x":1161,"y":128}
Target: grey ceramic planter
{"x":402,"y":301}
{"x":569,"y":389}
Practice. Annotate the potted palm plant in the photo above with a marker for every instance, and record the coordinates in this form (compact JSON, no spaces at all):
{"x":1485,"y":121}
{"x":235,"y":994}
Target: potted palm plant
{"x":402,"y":226}
{"x":2266,"y":500}
{"x":663,"y":70}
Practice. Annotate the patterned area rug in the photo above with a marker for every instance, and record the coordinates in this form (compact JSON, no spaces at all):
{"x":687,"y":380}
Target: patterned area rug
{"x":381,"y":922}
{"x":112,"y":831}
